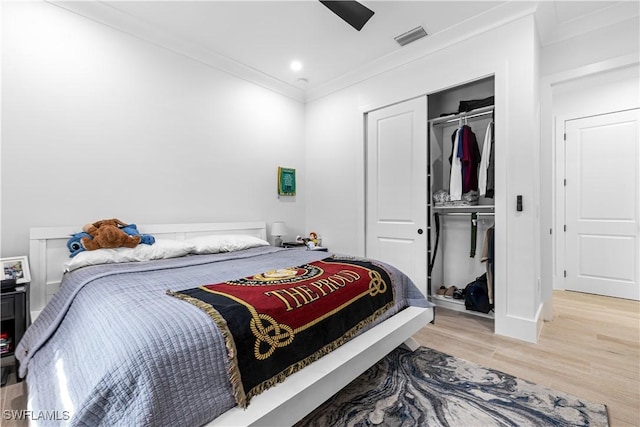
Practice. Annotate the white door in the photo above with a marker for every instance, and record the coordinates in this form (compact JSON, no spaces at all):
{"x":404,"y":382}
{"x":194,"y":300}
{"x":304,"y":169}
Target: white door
{"x":602,"y":203}
{"x":396,"y":182}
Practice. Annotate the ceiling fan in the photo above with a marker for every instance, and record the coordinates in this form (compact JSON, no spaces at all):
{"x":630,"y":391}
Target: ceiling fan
{"x":352,"y":12}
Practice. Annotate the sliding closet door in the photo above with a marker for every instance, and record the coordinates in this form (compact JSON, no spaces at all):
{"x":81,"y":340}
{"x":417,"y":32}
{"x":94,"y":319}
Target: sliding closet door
{"x":396,"y":181}
{"x":602,"y":204}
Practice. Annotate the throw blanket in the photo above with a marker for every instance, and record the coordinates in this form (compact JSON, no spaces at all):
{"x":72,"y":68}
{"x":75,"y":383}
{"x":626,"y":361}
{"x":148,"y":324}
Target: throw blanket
{"x":276,"y":323}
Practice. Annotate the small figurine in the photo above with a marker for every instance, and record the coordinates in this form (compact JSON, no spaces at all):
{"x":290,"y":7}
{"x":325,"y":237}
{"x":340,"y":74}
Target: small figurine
{"x":313,"y":242}
{"x":313,"y":237}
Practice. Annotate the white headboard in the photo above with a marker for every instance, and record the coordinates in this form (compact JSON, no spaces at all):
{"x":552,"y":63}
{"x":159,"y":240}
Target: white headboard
{"x":48,"y":250}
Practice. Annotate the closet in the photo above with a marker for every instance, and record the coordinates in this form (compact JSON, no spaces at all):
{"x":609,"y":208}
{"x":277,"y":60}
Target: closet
{"x":460,"y":222}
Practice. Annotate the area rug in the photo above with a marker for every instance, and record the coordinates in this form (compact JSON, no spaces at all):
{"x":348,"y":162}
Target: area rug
{"x":429,"y":388}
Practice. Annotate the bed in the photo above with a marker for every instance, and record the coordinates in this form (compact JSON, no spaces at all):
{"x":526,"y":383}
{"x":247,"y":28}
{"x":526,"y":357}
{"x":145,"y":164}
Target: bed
{"x":112,"y":347}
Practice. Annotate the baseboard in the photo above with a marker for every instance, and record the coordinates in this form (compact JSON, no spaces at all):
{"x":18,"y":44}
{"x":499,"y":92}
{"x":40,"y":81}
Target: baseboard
{"x":521,"y":328}
{"x":540,"y":321}
{"x":547,"y":310}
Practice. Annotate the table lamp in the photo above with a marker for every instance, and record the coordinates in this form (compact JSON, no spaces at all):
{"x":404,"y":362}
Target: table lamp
{"x":278,"y":230}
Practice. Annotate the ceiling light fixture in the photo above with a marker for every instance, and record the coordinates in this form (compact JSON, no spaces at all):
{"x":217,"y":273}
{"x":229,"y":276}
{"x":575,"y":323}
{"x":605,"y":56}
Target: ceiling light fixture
{"x":296,"y":65}
{"x":352,"y":12}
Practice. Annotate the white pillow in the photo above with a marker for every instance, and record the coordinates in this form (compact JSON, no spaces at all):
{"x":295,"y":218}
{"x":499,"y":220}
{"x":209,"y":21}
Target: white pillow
{"x":161,"y":249}
{"x":217,"y":243}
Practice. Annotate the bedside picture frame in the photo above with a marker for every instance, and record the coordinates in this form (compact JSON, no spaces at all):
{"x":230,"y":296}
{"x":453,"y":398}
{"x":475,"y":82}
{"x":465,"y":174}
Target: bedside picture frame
{"x":286,"y":181}
{"x":16,"y":268}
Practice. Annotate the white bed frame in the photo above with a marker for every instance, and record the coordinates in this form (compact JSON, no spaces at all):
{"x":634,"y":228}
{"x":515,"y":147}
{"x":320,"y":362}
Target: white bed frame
{"x":301,"y":392}
{"x":48,"y":250}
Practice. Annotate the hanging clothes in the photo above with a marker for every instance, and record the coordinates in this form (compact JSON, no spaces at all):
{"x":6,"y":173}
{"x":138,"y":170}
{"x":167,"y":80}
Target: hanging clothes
{"x":470,"y":160}
{"x":487,"y":258}
{"x":455,"y":177}
{"x":464,"y":160}
{"x":491,"y":170}
{"x":485,"y":160}
{"x":474,"y":234}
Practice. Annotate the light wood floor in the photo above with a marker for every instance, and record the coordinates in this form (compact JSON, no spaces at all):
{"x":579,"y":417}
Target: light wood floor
{"x":13,"y":396}
{"x":590,"y":350}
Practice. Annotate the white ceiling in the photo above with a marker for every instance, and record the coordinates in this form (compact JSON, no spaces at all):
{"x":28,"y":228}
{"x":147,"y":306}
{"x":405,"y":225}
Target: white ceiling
{"x":258,"y":40}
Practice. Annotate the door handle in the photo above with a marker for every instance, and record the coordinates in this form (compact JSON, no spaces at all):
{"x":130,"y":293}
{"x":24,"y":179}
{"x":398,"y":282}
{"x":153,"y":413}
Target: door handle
{"x":420,"y":231}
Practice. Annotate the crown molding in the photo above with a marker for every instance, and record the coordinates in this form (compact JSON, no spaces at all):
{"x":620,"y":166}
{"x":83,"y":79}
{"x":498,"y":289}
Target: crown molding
{"x":548,"y":30}
{"x":551,"y":31}
{"x":105,"y":14}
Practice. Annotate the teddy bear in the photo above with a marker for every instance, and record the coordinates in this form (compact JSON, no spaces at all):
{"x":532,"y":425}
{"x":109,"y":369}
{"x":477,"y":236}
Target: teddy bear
{"x":132,"y":230}
{"x":108,"y":233}
{"x":75,"y":246}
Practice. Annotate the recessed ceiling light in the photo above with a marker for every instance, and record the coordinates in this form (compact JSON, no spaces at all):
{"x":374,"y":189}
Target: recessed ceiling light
{"x":296,"y":65}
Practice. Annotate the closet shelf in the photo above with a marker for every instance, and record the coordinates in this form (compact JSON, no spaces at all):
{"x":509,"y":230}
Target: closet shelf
{"x":473,"y":114}
{"x":479,"y":209}
{"x":458,"y":305}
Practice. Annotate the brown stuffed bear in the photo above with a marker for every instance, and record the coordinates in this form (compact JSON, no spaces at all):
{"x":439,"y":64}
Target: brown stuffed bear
{"x":107,"y":234}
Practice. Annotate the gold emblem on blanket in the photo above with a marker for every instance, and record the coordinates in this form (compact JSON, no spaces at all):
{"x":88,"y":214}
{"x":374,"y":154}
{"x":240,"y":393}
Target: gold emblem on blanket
{"x":377,"y":285}
{"x":279,"y":274}
{"x":269,"y":335}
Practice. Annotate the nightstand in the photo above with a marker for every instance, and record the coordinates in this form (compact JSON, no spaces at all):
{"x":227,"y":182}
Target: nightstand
{"x":295,"y":245}
{"x":13,"y":323}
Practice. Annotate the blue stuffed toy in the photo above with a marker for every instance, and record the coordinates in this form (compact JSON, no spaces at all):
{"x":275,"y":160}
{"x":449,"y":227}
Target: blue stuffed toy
{"x":74,"y":244}
{"x":132,"y":230}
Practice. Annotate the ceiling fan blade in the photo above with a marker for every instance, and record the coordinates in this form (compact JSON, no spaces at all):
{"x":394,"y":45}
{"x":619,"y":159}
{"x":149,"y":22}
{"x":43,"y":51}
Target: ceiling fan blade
{"x":352,"y":12}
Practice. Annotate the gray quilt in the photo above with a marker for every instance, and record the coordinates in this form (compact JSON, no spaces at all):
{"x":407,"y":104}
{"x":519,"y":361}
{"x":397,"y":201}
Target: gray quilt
{"x":113,"y":349}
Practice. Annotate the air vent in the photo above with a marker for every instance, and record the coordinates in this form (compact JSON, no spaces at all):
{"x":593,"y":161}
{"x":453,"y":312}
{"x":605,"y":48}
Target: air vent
{"x":410,"y":36}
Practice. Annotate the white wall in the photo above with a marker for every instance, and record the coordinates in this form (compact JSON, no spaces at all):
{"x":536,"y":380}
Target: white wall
{"x":99,"y":124}
{"x":335,"y":169}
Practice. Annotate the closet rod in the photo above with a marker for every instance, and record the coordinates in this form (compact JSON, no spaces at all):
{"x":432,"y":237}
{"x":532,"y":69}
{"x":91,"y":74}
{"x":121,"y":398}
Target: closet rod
{"x":468,"y":115}
{"x":466,"y":213}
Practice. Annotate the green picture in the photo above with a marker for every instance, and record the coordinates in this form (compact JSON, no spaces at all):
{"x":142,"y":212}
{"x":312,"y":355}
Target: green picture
{"x":286,"y":181}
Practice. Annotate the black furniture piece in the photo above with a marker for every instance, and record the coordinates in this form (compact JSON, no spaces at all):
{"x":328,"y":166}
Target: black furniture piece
{"x":294,"y":245}
{"x":13,"y":322}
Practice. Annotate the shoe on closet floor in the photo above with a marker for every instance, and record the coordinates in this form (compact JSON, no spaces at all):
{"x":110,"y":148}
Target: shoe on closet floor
{"x":441,"y":291}
{"x":449,"y":292}
{"x":459,"y":294}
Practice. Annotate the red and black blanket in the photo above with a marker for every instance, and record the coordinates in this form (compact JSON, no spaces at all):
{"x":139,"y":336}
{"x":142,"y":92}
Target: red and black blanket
{"x":277,"y":322}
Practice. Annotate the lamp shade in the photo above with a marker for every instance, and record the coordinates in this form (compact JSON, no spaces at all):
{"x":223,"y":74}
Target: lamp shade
{"x":278,"y":229}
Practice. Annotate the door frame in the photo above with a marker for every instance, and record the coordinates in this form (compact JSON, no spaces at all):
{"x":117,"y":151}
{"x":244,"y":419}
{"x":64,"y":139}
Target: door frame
{"x":559,"y":160}
{"x":551,"y":250}
{"x":559,"y":261}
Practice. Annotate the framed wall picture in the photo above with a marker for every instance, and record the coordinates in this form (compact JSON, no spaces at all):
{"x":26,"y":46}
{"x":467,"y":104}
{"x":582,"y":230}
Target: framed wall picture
{"x":16,"y":268}
{"x":286,"y":181}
